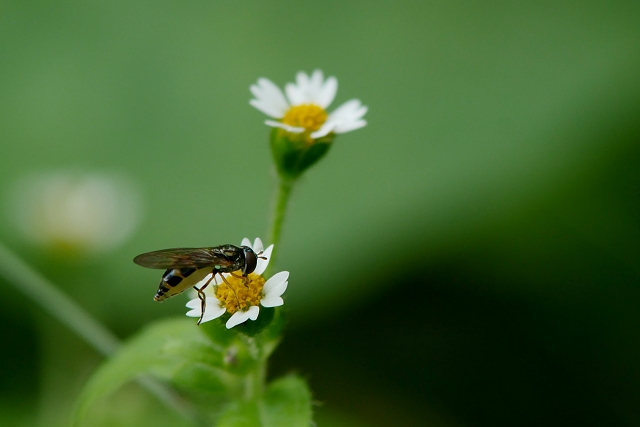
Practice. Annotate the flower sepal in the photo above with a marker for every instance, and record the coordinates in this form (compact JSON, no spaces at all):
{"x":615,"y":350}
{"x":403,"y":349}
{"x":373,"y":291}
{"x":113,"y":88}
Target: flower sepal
{"x":218,"y":333}
{"x":253,"y":328}
{"x":270,"y":321}
{"x":293,"y":154}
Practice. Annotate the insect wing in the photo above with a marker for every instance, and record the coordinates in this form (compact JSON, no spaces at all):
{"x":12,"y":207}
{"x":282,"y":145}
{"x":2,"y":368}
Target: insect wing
{"x":181,"y":257}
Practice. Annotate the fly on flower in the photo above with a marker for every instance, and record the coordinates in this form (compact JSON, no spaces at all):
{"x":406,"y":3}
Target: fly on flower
{"x":303,"y":128}
{"x":186,"y":267}
{"x":231,"y":295}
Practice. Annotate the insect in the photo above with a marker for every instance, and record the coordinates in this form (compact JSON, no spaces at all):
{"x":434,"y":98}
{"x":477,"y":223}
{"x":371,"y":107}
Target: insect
{"x":185,"y":267}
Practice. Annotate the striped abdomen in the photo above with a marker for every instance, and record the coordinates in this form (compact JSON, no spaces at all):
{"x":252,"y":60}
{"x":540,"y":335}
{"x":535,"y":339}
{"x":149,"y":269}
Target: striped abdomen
{"x":177,"y":280}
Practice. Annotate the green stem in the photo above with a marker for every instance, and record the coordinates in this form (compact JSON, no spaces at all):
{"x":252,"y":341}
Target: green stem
{"x":67,"y":312}
{"x":280,"y":207}
{"x":56,"y":303}
{"x":255,"y":380}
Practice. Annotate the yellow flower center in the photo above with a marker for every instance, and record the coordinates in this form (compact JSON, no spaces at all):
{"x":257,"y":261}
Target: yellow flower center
{"x":240,"y":293}
{"x":308,"y":116}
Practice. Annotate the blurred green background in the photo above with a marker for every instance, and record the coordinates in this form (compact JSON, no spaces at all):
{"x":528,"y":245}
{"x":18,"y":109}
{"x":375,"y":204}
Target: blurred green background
{"x":470,"y":258}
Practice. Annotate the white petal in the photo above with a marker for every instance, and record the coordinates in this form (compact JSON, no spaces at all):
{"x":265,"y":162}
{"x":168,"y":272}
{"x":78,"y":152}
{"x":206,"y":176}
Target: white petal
{"x":306,"y":90}
{"x":348,"y":127}
{"x":358,"y":113}
{"x":277,"y":290}
{"x":269,"y":98}
{"x":194,"y":313}
{"x":253,"y":311}
{"x":194,"y":304}
{"x":257,"y":245}
{"x":263,"y":263}
{"x":266,"y":90}
{"x":213,"y":310}
{"x":324,"y":130}
{"x":347,"y":110}
{"x":346,"y":118}
{"x":237,"y":318}
{"x":286,"y":127}
{"x":327,"y":92}
{"x":302,"y":80}
{"x":272,"y":302}
{"x":212,"y":313}
{"x":267,"y":109}
{"x":245,"y":242}
{"x":274,"y":281}
{"x":294,"y":94}
{"x":315,"y":85}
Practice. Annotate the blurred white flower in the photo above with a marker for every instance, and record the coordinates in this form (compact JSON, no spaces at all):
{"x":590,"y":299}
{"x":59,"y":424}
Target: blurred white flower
{"x":303,"y":111}
{"x":78,"y":212}
{"x":242,"y":300}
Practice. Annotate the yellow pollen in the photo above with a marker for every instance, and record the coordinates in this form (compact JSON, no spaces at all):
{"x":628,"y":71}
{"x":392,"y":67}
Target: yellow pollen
{"x":308,"y":116}
{"x":242,"y":294}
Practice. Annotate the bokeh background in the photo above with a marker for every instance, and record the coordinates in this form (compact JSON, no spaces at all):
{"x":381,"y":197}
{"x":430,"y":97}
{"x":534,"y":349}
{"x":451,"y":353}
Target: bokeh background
{"x":470,"y":258}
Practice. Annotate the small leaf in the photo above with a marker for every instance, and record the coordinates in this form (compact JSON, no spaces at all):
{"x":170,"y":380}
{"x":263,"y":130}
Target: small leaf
{"x":288,"y":403}
{"x":241,"y":414}
{"x":199,"y":377}
{"x":175,"y":351}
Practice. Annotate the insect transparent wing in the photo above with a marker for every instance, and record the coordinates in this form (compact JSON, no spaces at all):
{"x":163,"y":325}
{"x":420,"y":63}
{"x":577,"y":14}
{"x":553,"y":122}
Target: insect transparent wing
{"x":181,"y":257}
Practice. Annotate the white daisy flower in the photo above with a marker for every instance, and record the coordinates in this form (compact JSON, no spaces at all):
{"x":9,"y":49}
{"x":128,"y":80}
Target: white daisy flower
{"x":73,"y":211}
{"x":241,"y":297}
{"x":303,"y":111}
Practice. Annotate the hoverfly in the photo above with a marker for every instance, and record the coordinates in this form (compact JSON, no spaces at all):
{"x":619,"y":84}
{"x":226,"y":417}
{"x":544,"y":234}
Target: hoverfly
{"x":185,"y":267}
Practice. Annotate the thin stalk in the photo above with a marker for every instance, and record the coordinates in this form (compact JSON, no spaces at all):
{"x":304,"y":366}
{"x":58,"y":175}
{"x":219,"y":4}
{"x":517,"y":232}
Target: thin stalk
{"x":66,"y":311}
{"x":280,"y":207}
{"x":56,"y":303}
{"x":255,"y":381}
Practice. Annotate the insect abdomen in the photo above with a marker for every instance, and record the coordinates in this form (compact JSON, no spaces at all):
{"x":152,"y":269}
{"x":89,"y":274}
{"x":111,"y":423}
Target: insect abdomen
{"x":177,"y":280}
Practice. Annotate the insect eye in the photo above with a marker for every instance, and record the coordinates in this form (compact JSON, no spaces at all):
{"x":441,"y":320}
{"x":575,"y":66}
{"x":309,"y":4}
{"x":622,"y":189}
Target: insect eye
{"x":250,"y":261}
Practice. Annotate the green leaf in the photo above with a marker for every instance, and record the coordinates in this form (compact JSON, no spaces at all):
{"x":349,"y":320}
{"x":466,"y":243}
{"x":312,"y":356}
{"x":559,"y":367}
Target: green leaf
{"x":286,"y":403}
{"x":241,"y":414}
{"x":176,"y":351}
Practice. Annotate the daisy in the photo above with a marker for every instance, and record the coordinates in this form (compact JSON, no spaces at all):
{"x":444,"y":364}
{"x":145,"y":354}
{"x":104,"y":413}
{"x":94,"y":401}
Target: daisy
{"x":76,"y":212}
{"x":240,"y":297}
{"x":303,"y":111}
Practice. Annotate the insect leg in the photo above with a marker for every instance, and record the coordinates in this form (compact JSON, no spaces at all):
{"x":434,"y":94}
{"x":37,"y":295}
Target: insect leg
{"x":203,"y":303}
{"x":203,"y":297}
{"x":232,"y":288}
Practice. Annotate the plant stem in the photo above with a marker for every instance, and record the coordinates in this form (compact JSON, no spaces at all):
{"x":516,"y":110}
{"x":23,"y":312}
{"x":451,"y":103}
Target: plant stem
{"x":56,"y":303}
{"x":256,"y":379}
{"x":282,"y":199}
{"x":67,"y":312}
